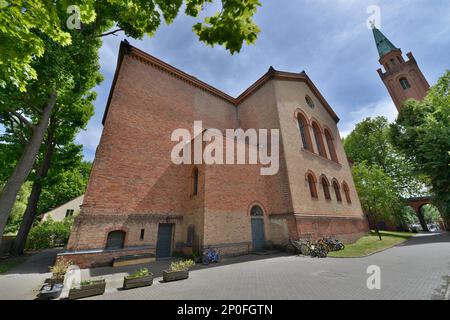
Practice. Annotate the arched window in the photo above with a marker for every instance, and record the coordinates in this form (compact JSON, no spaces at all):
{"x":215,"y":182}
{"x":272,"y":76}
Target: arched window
{"x":256,"y":211}
{"x":326,"y":188}
{"x":304,"y":132}
{"x":319,"y":140}
{"x":116,"y":240}
{"x":337,"y":191}
{"x":195,"y":182}
{"x":346,"y":192}
{"x":330,"y":144}
{"x":312,"y":186}
{"x":405,"y":84}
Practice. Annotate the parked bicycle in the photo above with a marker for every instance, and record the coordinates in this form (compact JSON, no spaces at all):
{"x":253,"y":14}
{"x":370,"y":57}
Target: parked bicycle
{"x":210,"y":256}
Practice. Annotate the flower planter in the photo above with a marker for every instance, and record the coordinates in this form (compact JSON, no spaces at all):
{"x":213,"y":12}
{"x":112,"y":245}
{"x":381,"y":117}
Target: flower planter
{"x":132,"y":282}
{"x":83,"y":291}
{"x":175,"y":275}
{"x":52,"y":281}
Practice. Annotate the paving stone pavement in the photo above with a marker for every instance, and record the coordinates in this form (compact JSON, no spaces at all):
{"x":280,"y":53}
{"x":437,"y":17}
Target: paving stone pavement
{"x":24,"y":281}
{"x":417,"y":269}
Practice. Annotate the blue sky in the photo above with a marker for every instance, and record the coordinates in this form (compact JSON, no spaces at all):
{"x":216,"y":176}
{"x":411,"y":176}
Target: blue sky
{"x":328,"y":39}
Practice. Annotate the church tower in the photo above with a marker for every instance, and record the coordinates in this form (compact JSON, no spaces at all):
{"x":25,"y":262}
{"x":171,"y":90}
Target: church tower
{"x":403,"y":79}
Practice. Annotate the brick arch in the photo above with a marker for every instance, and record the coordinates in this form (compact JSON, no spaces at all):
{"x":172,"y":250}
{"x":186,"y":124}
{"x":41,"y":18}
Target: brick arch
{"x":416,"y":204}
{"x":318,"y":136}
{"x":310,"y":172}
{"x":259,"y":204}
{"x":299,"y":112}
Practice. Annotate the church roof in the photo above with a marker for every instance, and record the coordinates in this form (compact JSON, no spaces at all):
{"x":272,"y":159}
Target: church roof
{"x":126,"y":48}
{"x":384,"y":46}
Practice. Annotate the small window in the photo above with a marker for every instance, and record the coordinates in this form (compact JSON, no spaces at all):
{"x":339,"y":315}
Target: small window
{"x":405,"y":84}
{"x":337,"y":191}
{"x":195,"y":182}
{"x":141,"y":237}
{"x":312,"y":186}
{"x":309,"y":102}
{"x":69,"y":212}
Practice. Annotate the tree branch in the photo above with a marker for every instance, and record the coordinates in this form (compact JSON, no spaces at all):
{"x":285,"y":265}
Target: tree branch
{"x":23,"y":119}
{"x":109,"y":33}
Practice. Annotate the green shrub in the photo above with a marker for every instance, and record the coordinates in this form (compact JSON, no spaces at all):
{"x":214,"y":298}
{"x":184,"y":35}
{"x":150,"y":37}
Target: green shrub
{"x":49,"y":234}
{"x":181,"y":265}
{"x":139,"y":273}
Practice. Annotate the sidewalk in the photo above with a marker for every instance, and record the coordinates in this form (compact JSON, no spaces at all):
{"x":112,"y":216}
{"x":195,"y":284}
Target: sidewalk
{"x":24,"y":281}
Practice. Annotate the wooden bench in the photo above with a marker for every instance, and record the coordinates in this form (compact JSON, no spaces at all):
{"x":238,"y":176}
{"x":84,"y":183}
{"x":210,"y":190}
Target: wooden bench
{"x":133,"y":259}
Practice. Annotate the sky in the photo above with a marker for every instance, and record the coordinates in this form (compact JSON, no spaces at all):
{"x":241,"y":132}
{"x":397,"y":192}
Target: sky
{"x":329,"y":39}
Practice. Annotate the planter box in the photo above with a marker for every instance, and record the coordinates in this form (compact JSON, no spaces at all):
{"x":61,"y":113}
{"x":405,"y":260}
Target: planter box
{"x":89,"y":290}
{"x":51,"y":281}
{"x":175,"y":275}
{"x":130,"y":283}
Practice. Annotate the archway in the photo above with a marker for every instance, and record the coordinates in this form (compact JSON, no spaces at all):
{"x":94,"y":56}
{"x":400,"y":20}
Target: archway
{"x":417,"y":204}
{"x":432,"y":217}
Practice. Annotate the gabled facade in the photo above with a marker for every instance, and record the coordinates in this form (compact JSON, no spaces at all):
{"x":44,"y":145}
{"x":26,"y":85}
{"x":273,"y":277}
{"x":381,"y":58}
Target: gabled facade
{"x":138,"y":201}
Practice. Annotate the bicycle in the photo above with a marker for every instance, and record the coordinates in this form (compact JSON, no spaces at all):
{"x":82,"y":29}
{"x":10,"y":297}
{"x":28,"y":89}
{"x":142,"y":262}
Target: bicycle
{"x":210,"y":256}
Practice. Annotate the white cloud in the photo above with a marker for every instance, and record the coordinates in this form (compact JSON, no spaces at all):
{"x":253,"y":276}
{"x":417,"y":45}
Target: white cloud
{"x":385,"y":108}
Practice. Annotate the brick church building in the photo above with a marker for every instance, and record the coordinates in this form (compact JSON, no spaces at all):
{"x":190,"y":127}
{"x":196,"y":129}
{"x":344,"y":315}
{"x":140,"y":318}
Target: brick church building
{"x":138,"y":201}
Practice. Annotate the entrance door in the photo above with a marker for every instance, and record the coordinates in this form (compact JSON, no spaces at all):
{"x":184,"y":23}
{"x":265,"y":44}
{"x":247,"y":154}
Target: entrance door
{"x":258,"y":238}
{"x":164,"y":242}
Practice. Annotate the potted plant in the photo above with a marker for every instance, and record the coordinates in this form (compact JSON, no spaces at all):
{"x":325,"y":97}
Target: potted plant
{"x":58,"y":272}
{"x":87,"y":288}
{"x":140,"y":278}
{"x":178,"y":270}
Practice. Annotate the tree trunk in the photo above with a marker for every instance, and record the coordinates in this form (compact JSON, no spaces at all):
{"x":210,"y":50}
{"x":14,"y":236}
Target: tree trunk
{"x":422,"y":221}
{"x":25,"y":164}
{"x":30,"y":212}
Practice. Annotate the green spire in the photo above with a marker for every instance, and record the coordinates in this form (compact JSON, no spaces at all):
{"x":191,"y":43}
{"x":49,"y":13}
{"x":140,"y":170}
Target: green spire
{"x":384,"y":46}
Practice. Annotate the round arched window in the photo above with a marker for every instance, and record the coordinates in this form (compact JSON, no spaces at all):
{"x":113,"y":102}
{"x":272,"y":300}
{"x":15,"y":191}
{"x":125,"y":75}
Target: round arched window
{"x":309,"y":102}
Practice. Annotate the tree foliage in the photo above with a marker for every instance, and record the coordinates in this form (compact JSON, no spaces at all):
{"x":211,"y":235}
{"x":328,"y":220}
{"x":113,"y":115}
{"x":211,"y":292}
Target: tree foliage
{"x":25,"y":25}
{"x":370,"y":142}
{"x":378,"y":194}
{"x":49,"y":234}
{"x":422,"y":132}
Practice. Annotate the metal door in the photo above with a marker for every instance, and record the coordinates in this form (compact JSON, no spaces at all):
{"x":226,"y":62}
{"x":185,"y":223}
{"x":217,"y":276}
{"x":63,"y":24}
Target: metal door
{"x":164,"y":242}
